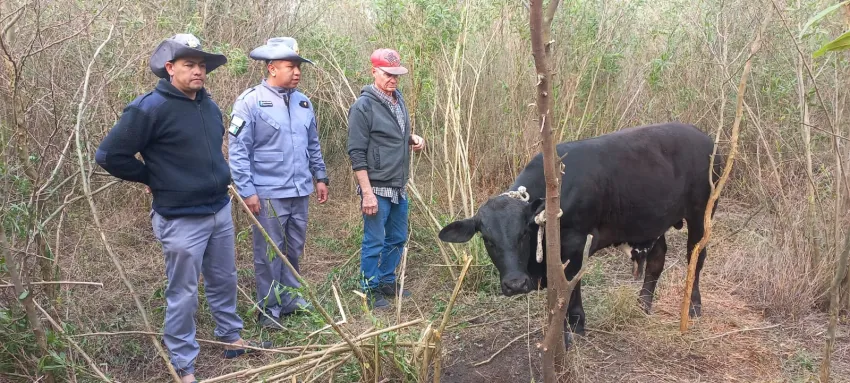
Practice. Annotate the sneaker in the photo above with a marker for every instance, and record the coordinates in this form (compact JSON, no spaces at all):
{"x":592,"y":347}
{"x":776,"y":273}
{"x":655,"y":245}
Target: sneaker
{"x":376,"y":300}
{"x":230,"y":354}
{"x":390,"y":290}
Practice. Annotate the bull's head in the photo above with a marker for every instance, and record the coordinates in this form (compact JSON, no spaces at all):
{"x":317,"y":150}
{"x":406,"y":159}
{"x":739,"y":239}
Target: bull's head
{"x":505,"y":225}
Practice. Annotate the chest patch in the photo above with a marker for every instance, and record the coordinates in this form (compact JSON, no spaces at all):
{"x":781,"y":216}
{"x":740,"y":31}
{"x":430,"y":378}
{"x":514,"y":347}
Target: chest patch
{"x":264,"y":104}
{"x":304,"y":104}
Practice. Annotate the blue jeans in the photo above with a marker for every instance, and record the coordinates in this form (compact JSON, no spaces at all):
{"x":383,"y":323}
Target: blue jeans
{"x":384,"y":236}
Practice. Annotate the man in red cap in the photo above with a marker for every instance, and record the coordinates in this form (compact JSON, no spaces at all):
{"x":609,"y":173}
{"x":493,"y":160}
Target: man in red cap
{"x":379,"y":145}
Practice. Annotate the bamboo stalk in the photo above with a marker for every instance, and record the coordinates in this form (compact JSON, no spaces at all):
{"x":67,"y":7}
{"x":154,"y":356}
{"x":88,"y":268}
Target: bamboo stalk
{"x":310,"y":294}
{"x":337,"y":348}
{"x":76,"y":346}
{"x":446,"y":315}
{"x":718,"y":188}
{"x":58,"y":283}
{"x":96,"y":216}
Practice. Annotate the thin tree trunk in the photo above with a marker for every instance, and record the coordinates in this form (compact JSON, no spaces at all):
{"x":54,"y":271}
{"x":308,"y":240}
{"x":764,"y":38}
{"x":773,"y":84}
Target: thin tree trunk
{"x":554,"y":351}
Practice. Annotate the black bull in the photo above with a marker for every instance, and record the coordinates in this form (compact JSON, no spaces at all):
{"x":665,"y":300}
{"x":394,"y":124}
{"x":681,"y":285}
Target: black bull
{"x":626,"y":188}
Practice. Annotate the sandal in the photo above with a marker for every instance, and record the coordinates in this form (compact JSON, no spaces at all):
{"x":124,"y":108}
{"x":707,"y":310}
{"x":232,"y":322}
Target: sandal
{"x":230,"y":354}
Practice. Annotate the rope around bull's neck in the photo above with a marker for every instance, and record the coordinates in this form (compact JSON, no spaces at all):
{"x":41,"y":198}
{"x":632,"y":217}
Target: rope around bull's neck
{"x":539,"y":219}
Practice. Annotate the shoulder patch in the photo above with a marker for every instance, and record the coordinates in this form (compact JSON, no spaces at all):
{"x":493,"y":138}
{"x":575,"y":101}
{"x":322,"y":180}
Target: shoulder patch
{"x":304,"y":104}
{"x":236,"y":125}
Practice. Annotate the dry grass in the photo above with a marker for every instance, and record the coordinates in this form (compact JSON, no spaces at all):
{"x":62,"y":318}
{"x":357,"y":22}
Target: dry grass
{"x":620,"y":64}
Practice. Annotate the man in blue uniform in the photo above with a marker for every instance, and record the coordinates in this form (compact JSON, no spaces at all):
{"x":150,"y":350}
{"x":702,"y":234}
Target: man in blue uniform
{"x":178,"y":129}
{"x":274,"y":158}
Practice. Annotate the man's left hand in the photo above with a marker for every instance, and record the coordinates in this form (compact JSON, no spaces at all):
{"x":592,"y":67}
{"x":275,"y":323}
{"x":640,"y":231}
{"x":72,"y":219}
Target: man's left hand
{"x":322,"y":192}
{"x":418,"y":143}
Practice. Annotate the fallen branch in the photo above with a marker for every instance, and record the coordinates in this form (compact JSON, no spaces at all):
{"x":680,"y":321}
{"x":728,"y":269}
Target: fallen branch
{"x":488,"y":360}
{"x":736,"y":332}
{"x":98,"y":284}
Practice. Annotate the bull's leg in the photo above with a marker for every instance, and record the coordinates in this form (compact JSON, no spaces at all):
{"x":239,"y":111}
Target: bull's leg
{"x":654,"y":266}
{"x":695,"y":232}
{"x":572,"y":245}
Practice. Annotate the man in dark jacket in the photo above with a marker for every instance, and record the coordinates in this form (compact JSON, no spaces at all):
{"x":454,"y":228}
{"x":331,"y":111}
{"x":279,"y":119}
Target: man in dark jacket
{"x":178,"y":130}
{"x":379,"y":143}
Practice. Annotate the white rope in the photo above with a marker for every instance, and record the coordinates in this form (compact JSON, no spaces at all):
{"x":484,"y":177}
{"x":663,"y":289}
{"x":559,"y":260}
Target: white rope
{"x":519,"y":194}
{"x":540,"y":220}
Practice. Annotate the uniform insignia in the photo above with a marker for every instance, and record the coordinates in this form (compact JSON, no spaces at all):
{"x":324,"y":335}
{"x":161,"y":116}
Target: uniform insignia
{"x":264,"y":104}
{"x":304,"y":104}
{"x":236,"y":125}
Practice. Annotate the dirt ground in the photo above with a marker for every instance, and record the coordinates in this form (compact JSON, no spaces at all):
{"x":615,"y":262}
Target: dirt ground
{"x":734,"y":340}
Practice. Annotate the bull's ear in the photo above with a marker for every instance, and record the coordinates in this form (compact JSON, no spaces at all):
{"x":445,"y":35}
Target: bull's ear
{"x":534,"y":208}
{"x":458,"y":231}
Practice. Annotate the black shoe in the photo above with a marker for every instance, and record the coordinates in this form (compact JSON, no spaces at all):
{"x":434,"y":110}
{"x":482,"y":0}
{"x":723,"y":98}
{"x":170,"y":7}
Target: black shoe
{"x":390,"y":290}
{"x":268,"y":321}
{"x":230,"y":354}
{"x":376,"y":300}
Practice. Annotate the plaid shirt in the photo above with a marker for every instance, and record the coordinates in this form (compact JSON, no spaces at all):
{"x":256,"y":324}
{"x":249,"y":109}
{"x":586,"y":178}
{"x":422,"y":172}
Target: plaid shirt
{"x":394,"y":194}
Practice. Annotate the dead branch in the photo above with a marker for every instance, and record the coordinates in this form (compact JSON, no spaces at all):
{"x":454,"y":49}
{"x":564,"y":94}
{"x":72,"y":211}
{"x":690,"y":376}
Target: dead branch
{"x":438,"y":334}
{"x":718,"y":188}
{"x":98,"y":284}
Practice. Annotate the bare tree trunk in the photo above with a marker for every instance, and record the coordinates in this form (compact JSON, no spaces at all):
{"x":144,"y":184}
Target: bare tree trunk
{"x":557,"y":296}
{"x":25,"y":297}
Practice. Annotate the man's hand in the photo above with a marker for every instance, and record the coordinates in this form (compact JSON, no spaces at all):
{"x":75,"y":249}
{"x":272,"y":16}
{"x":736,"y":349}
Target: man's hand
{"x":322,"y":192}
{"x":370,"y":204}
{"x":253,"y":203}
{"x":418,"y":143}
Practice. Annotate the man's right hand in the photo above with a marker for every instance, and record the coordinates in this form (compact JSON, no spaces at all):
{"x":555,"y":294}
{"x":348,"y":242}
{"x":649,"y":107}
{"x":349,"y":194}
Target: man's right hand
{"x":370,"y":204}
{"x":253,"y":203}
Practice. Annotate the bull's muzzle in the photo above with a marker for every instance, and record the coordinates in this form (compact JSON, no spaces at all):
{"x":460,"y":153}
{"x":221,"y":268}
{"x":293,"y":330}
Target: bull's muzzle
{"x":516,"y":285}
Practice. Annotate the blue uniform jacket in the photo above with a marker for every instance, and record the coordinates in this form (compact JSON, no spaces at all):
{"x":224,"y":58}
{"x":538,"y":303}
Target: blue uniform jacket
{"x":274,"y":149}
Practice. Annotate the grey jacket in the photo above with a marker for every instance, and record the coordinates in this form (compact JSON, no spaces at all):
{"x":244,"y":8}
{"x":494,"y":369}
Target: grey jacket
{"x":375,"y":141}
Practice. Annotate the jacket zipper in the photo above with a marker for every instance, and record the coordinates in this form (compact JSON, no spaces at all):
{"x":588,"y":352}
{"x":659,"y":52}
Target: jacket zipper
{"x":209,"y":149}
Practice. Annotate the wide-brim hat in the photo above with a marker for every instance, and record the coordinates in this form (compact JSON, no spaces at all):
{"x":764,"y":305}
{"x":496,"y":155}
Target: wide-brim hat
{"x":179,"y":46}
{"x":278,"y":48}
{"x":387,"y":60}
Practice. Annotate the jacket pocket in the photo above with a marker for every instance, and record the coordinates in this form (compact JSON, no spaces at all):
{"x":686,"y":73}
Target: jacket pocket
{"x":376,"y":156}
{"x":268,"y":120}
{"x":269,"y":168}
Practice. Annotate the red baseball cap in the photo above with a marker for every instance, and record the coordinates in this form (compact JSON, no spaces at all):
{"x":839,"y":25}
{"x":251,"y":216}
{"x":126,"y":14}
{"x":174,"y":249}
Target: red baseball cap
{"x":388,"y":61}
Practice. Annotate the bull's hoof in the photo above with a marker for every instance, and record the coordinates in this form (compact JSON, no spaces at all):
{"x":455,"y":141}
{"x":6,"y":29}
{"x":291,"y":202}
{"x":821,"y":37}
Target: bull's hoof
{"x":645,"y":305}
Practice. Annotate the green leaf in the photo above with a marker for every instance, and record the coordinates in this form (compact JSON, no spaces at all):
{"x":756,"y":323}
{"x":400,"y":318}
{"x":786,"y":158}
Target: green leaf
{"x":821,"y":15}
{"x":24,"y":295}
{"x":842,"y":42}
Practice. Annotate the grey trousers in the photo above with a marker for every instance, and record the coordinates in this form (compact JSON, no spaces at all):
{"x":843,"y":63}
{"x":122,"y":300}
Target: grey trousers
{"x":194,"y":245}
{"x":285,"y":220}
